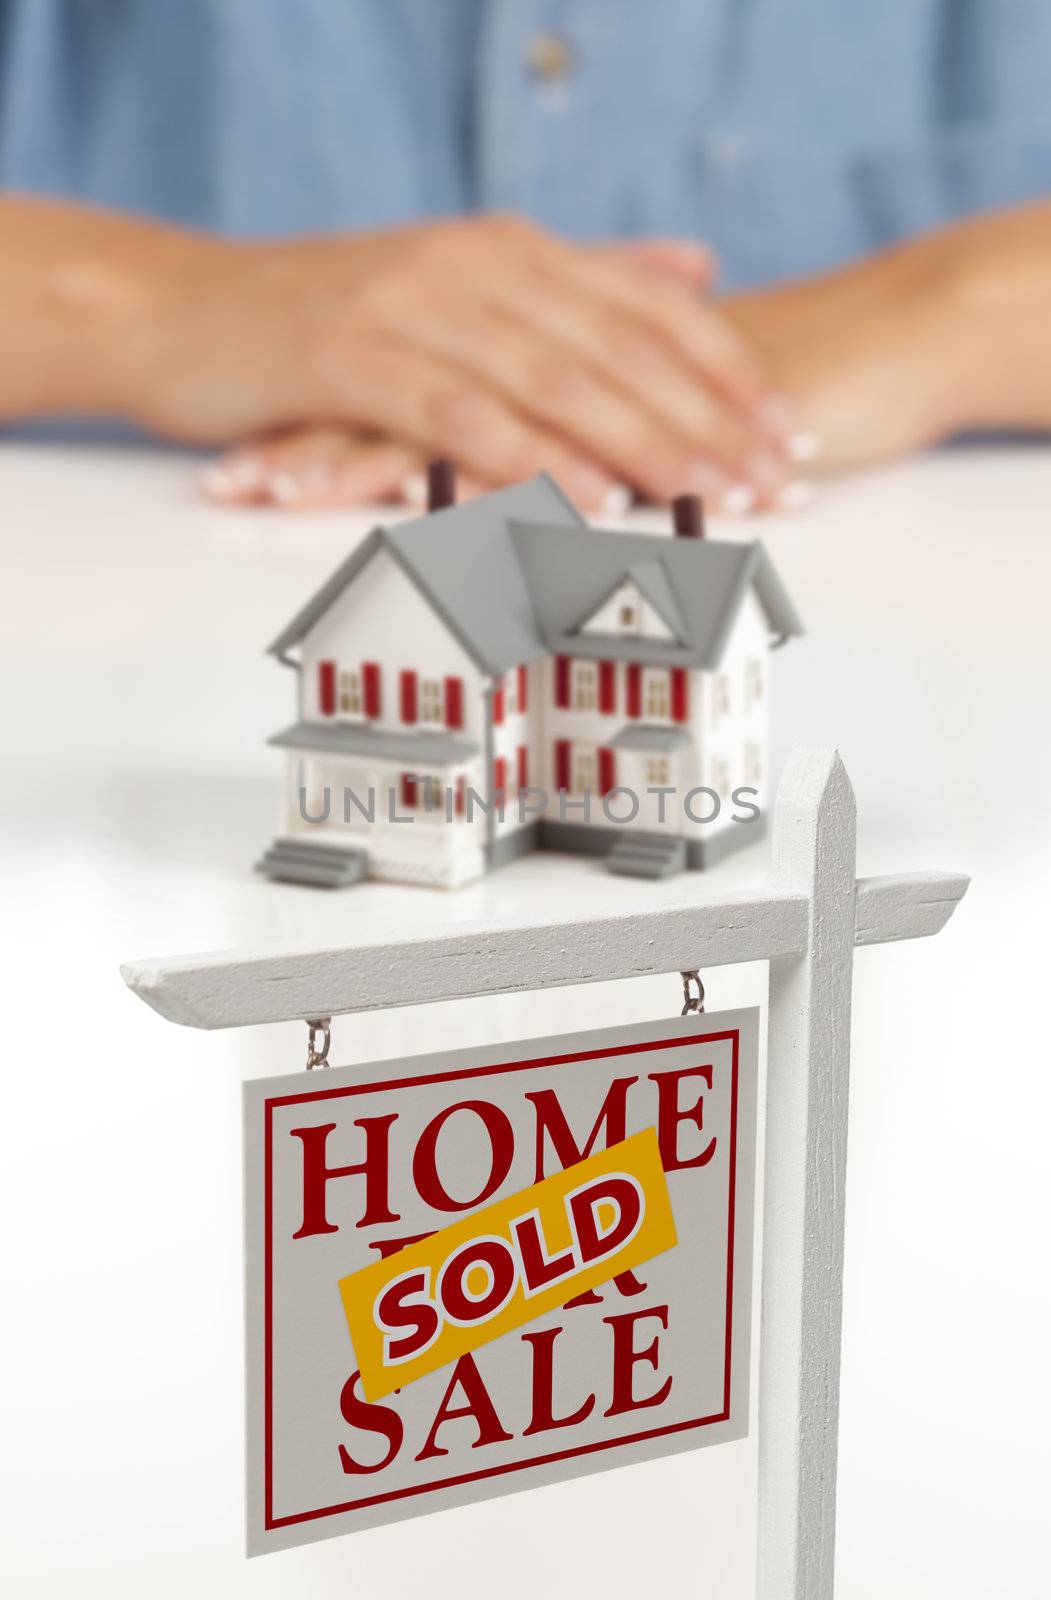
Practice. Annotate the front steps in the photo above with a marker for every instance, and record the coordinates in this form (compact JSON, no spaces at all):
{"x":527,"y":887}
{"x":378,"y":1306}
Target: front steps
{"x":647,"y":855}
{"x":324,"y":866}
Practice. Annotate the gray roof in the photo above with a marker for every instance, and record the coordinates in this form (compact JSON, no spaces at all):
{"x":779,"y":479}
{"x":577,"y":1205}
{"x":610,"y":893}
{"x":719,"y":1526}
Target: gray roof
{"x":515,"y":574}
{"x":464,"y":561}
{"x":361,"y":739}
{"x":708,"y":579}
{"x":650,"y":737}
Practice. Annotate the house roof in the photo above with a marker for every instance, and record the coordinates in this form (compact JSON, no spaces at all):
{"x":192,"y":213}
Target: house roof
{"x":708,"y":579}
{"x":435,"y":749}
{"x":651,"y":737}
{"x":464,"y":560}
{"x":515,"y":574}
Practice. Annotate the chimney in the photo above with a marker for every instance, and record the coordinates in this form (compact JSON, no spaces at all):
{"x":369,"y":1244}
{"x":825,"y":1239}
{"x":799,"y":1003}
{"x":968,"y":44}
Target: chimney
{"x":688,"y":516}
{"x":441,"y":485}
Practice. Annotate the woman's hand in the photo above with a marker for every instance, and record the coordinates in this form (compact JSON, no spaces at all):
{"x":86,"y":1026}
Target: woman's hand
{"x":945,"y":333}
{"x":485,"y":340}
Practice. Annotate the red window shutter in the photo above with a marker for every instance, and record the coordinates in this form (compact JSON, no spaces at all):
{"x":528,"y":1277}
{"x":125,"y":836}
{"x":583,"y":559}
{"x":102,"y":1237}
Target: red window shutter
{"x":607,"y":770}
{"x":523,"y":767}
{"x":408,"y":791}
{"x":634,"y":689}
{"x":523,"y":688}
{"x":500,"y":775}
{"x":607,"y":686}
{"x":498,"y":705}
{"x":408,"y":697}
{"x":326,"y":688}
{"x":461,"y":795}
{"x":562,"y":764}
{"x":454,"y":702}
{"x":370,"y":682}
{"x":680,"y":694}
{"x":562,"y":680}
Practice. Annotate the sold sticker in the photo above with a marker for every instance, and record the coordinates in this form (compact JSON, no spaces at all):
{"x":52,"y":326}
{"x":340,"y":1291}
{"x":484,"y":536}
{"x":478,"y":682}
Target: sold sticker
{"x":460,"y":1288}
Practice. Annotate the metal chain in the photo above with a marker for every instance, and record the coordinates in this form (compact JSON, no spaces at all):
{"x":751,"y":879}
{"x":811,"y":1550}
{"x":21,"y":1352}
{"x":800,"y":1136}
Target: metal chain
{"x":692,"y":1003}
{"x":319,"y":1027}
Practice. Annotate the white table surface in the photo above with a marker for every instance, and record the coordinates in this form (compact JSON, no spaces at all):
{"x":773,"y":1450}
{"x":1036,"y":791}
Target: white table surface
{"x":138,"y":790}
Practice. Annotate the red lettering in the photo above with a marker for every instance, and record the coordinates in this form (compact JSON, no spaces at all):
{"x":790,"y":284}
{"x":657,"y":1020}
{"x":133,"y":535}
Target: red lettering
{"x":551,"y":1120}
{"x":424,"y":1163}
{"x":625,"y":1283}
{"x":543,"y":1418}
{"x":497,"y":1260}
{"x":316,"y":1175}
{"x":370,"y":1419}
{"x":626,"y":1358}
{"x":669,"y":1116}
{"x":404,"y":1304}
{"x":479,"y":1406}
{"x":390,"y":1247}
{"x":618,"y":1190}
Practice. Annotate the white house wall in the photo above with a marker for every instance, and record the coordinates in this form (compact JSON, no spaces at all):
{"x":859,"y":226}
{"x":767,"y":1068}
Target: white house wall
{"x":736,"y":719}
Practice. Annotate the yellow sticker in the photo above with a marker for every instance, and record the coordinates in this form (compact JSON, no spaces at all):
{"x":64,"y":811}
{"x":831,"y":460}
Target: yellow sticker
{"x":507,"y":1264}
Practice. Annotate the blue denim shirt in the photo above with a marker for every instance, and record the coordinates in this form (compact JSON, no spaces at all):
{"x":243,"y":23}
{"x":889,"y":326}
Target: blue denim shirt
{"x":791,"y":134}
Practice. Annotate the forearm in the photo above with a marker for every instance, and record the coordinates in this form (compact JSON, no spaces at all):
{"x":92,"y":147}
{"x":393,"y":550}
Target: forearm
{"x":997,"y":319}
{"x":944,"y":333}
{"x":79,"y":292}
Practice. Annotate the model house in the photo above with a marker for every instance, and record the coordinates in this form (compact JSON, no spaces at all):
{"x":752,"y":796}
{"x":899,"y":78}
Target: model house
{"x":499,"y":676}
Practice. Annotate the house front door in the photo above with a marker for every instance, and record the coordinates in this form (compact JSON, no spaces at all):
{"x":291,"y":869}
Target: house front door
{"x":658,"y":813}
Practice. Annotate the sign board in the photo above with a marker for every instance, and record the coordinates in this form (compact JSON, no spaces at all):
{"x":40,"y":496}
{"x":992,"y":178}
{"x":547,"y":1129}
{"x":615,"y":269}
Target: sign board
{"x":480,"y":1271}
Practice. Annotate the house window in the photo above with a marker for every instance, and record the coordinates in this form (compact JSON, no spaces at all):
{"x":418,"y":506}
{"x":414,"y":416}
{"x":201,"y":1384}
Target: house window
{"x":584,"y":770}
{"x":584,"y":677}
{"x":720,"y":697}
{"x":753,"y":762}
{"x":628,"y":616}
{"x":655,"y":692}
{"x":432,"y":704}
{"x":753,"y":681}
{"x":510,"y":683}
{"x":721,"y":778}
{"x":657,"y":771}
{"x":350,"y":694}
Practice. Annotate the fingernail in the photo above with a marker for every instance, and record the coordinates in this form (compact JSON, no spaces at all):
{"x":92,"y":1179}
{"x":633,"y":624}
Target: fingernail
{"x":766,"y":472}
{"x":708,"y":480}
{"x":587,"y":488}
{"x":219,"y":482}
{"x":739,"y":499}
{"x":414,"y":489}
{"x":795,"y":495}
{"x":233,"y":476}
{"x":616,"y":501}
{"x":776,"y":414}
{"x":806,"y":445}
{"x":285,"y":489}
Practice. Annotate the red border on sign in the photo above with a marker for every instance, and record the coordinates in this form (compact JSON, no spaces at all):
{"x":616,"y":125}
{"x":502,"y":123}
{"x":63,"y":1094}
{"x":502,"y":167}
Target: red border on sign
{"x":270,"y":1521}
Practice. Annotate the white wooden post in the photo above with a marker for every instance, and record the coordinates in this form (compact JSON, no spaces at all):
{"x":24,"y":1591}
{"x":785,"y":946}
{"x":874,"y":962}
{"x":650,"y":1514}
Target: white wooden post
{"x":805,"y":1174}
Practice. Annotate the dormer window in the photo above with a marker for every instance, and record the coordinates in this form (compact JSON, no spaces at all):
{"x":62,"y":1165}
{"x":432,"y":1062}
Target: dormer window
{"x":350,"y":694}
{"x":432,"y":705}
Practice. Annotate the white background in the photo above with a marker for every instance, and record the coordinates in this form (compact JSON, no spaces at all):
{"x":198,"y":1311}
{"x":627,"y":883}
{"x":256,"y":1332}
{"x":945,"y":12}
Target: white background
{"x":137,"y":792}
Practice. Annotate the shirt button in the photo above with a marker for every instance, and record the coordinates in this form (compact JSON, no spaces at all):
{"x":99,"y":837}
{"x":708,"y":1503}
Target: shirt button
{"x":549,"y":57}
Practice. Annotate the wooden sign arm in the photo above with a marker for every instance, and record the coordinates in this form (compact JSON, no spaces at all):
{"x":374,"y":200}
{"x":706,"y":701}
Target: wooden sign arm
{"x":238,"y":988}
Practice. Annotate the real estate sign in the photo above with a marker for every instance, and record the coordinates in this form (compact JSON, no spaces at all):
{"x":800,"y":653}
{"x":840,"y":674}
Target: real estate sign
{"x":475,"y":1272}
